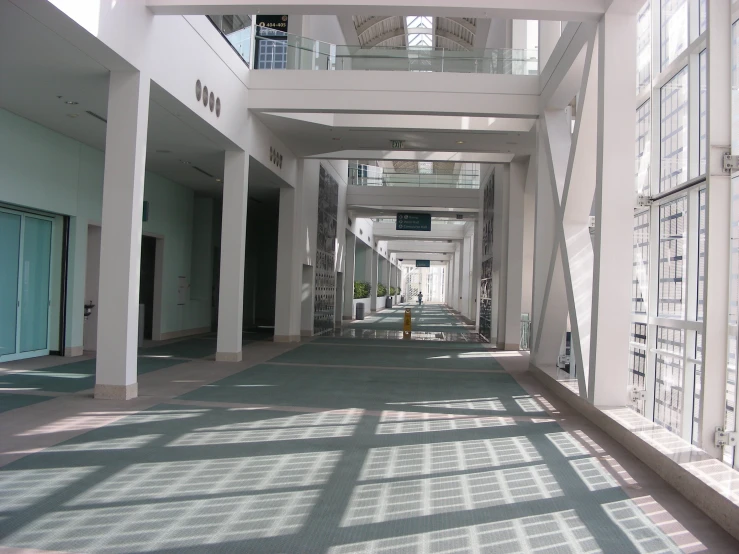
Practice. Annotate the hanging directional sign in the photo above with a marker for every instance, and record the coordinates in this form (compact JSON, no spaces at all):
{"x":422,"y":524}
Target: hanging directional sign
{"x":413,"y":222}
{"x":423,"y":263}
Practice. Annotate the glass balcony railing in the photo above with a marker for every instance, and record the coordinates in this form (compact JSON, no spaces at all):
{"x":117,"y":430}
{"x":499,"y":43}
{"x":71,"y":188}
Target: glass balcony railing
{"x":462,"y":180}
{"x":286,"y":51}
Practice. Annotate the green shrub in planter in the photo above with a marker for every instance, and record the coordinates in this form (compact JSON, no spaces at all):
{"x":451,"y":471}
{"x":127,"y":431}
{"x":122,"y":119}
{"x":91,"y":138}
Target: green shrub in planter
{"x":392,"y":291}
{"x":361,"y":290}
{"x":381,"y":290}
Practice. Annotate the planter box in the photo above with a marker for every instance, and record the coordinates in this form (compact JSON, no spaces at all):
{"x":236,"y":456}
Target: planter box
{"x":365,"y":301}
{"x":381,"y":303}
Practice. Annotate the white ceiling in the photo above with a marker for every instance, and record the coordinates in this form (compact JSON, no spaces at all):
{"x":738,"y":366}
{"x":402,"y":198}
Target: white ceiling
{"x":311,"y":138}
{"x":38,"y":67}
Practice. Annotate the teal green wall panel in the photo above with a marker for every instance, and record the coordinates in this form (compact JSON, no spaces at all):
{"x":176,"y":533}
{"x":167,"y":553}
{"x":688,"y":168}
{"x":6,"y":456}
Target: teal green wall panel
{"x":44,"y":170}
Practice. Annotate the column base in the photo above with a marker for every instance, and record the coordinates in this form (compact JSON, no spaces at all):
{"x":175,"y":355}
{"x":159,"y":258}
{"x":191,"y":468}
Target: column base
{"x":287,"y":338}
{"x":116,"y":392}
{"x":228,"y":356}
{"x":513,"y":346}
{"x":306,"y":333}
{"x":72,"y":351}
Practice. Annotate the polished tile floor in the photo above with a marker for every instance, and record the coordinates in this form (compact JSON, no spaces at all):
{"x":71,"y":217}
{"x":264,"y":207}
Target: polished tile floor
{"x":336,"y":445}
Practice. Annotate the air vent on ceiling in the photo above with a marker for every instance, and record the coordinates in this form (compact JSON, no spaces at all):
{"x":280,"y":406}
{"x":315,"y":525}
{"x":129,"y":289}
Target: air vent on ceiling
{"x":96,"y":116}
{"x":196,"y":168}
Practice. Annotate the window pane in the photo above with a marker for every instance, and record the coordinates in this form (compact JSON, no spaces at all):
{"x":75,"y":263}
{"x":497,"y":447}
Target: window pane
{"x":697,"y":388}
{"x":643,"y":124}
{"x":701,"y":251}
{"x":703,"y":117}
{"x":731,"y":367}
{"x":702,"y":16}
{"x":638,"y":361}
{"x":668,"y":392}
{"x":735,"y":87}
{"x":674,"y":131}
{"x":670,"y":298}
{"x":674,"y":29}
{"x":640,"y":272}
{"x":643,"y":48}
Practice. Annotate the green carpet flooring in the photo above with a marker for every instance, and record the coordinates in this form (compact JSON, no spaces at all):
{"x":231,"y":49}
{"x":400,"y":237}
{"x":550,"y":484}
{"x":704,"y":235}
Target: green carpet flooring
{"x":368,"y":447}
{"x":426,"y":317}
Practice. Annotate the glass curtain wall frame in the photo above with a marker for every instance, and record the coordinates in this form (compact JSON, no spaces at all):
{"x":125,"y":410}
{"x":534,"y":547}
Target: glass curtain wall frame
{"x":666,"y":344}
{"x":25,"y":284}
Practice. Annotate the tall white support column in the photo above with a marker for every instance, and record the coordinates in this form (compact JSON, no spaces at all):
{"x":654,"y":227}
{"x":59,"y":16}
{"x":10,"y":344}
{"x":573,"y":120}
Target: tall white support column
{"x":77,"y":270}
{"x":349,"y":274}
{"x":549,"y":33}
{"x":120,"y":252}
{"x":374,"y":269}
{"x":289,"y":269}
{"x":614,"y":211}
{"x":718,"y":219}
{"x":509,"y":300}
{"x":233,"y":251}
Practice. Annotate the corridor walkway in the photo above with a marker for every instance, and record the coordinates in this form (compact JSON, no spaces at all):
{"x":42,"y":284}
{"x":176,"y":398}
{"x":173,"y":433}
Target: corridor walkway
{"x":429,"y":322}
{"x":334,"y":446}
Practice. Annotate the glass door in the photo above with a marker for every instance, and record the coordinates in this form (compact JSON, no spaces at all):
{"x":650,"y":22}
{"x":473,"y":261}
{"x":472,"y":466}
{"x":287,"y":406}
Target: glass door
{"x":10,"y":239}
{"x":25,"y":278}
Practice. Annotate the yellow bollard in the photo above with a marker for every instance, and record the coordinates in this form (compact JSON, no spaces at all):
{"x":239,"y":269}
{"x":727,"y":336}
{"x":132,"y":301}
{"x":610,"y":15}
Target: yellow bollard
{"x":407,"y":324}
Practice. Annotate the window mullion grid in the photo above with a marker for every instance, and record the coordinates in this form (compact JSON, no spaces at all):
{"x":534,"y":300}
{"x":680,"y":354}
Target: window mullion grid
{"x":650,"y":377}
{"x":691,"y":299}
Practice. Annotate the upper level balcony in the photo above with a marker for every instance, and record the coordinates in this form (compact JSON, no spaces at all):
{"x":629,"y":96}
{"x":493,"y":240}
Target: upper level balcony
{"x":275,"y":49}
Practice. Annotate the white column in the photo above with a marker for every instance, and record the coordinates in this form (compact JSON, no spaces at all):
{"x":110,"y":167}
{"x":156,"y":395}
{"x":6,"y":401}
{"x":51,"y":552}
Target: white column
{"x":374,"y":263}
{"x":76,"y":273}
{"x":718,"y":219}
{"x":509,"y":303}
{"x":120,"y":253}
{"x":349,"y":272}
{"x":614,"y":212}
{"x":289,"y":268}
{"x":549,"y":33}
{"x":233,"y":251}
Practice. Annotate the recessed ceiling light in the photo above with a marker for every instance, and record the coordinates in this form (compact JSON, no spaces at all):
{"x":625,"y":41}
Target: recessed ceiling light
{"x":185,"y":162}
{"x":71,"y":102}
{"x":460,"y":142}
{"x":218,"y":180}
{"x":73,"y":115}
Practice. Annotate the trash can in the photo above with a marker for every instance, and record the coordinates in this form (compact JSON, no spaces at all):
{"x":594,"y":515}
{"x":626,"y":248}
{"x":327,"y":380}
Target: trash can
{"x":388,"y":301}
{"x":360,"y":310}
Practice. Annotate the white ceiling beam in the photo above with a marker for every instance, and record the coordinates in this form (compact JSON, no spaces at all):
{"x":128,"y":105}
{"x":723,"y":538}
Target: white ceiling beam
{"x":554,"y":10}
{"x":454,"y":38}
{"x":416,"y":156}
{"x":395,"y":33}
{"x":367,"y":25}
{"x":466,"y":24}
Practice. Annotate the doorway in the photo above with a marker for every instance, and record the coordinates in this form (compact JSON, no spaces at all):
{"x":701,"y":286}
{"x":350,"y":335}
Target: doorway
{"x":25,"y":284}
{"x":147,"y":280}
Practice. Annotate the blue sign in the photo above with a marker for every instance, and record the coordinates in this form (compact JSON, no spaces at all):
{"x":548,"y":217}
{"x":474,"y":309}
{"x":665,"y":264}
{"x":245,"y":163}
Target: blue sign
{"x":413,"y":222}
{"x":423,"y":263}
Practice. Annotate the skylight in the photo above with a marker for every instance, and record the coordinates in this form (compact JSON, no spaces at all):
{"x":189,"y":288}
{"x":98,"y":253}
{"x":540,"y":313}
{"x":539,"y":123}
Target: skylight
{"x":420,"y":30}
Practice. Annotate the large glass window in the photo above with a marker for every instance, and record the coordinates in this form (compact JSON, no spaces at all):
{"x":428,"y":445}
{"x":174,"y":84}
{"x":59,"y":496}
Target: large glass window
{"x":668,"y":392}
{"x":697,"y":390}
{"x":642,"y":148}
{"x":703,"y":112}
{"x":644,"y":48}
{"x":640,"y":272}
{"x":671,"y":298}
{"x":674,"y":131}
{"x":674,"y":29}
{"x":702,"y":16}
{"x":638,"y":360}
{"x":701,"y":252}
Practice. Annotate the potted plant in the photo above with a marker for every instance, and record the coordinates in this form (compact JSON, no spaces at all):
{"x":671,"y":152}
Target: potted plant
{"x":362,"y":292}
